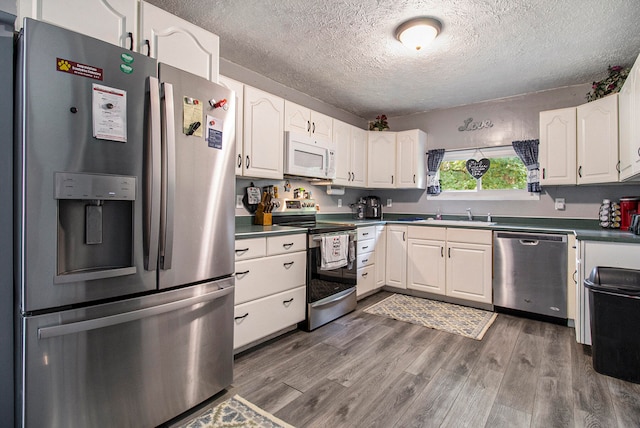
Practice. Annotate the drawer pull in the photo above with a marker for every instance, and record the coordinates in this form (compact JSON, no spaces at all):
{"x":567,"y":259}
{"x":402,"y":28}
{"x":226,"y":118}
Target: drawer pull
{"x":242,"y":273}
{"x":287,"y":246}
{"x":241,"y":251}
{"x":365,"y":233}
{"x":364,"y":274}
{"x":241,"y":317}
{"x":287,"y":303}
{"x":365,"y":247}
{"x":365,"y":260}
{"x":287,"y":265}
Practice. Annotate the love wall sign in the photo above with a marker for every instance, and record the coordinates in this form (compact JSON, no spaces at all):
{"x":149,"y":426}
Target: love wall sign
{"x":477,"y":168}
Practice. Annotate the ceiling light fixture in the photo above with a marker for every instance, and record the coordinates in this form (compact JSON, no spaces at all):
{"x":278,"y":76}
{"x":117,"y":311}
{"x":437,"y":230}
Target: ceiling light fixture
{"x":417,"y":33}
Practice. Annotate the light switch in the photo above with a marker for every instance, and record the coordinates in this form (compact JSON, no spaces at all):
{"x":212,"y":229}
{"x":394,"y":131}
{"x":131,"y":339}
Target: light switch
{"x":339,"y":202}
{"x":389,"y":202}
{"x":238,"y":201}
{"x":559,"y":204}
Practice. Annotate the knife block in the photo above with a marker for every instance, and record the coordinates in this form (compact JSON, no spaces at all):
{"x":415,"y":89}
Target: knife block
{"x":263,"y":218}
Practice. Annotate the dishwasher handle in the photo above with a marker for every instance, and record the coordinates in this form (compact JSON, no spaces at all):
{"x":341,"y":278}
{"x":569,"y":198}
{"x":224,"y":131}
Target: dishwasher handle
{"x":526,"y":238}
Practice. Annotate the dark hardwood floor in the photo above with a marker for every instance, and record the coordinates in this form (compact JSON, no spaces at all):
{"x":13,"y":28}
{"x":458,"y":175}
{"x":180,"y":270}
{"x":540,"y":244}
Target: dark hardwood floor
{"x":364,"y":370}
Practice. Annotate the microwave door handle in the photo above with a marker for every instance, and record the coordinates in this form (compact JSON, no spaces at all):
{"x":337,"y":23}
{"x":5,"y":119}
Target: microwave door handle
{"x":152,"y":178}
{"x":169,"y":177}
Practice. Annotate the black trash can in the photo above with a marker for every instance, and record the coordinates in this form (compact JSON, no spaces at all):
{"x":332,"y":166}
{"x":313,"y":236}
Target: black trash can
{"x":614,"y":304}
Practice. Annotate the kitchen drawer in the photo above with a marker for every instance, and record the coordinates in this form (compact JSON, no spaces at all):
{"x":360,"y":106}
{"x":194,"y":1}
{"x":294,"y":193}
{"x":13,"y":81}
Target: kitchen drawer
{"x":426,"y":232}
{"x":250,"y":248}
{"x":366,"y":259}
{"x":366,"y":245}
{"x":366,"y":280}
{"x":268,"y":275}
{"x":286,"y":244}
{"x":259,"y":318}
{"x":470,"y":236}
{"x":368,"y":232}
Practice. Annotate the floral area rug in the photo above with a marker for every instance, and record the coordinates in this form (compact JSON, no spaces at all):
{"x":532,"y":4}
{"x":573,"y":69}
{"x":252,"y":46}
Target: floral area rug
{"x":236,"y":412}
{"x":462,"y":320}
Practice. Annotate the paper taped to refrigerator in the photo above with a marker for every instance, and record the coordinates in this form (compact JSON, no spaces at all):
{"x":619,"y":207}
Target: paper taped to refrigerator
{"x":192,"y":116}
{"x":214,"y":132}
{"x":109,"y":113}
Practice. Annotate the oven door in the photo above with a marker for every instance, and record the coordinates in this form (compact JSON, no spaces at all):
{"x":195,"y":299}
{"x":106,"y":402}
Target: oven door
{"x":322,"y":284}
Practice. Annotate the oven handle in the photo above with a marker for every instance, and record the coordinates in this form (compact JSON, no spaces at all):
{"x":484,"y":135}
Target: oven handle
{"x":351,"y":233}
{"x":335,"y":299}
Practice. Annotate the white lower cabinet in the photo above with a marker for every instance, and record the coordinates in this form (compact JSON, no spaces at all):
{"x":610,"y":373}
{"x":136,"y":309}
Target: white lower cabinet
{"x":261,"y":317}
{"x":270,"y":292}
{"x":450,"y":261}
{"x":396,"y":263}
{"x":367,"y":249}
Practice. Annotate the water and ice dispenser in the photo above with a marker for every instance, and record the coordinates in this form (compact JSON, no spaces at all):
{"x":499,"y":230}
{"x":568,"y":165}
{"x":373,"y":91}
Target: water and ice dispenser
{"x":95,"y":226}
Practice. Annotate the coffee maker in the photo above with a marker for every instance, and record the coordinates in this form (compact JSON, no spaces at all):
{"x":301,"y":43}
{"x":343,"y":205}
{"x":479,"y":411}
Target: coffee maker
{"x":372,"y":207}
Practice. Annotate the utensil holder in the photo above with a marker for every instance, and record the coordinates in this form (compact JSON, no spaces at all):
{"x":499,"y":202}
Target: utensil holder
{"x":263,"y":218}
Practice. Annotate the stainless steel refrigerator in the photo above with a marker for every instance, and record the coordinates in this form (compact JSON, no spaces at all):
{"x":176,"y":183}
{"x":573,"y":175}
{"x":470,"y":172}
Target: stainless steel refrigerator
{"x":124,"y":237}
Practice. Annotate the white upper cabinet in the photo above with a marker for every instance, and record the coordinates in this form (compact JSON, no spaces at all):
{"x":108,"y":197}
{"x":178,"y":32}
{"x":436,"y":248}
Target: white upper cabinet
{"x":629,"y":112}
{"x":350,"y":144}
{"x":263,"y":147}
{"x":598,"y":141}
{"x":114,"y":21}
{"x":381,"y":159}
{"x":238,"y":88}
{"x":303,"y":120}
{"x":557,"y":154}
{"x":411,"y":169}
{"x":174,"y":41}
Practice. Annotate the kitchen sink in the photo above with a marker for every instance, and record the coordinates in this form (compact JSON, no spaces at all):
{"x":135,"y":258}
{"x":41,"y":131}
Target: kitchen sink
{"x":459,"y":222}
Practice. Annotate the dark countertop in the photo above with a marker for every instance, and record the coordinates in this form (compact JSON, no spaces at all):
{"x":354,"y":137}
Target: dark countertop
{"x":585,"y":230}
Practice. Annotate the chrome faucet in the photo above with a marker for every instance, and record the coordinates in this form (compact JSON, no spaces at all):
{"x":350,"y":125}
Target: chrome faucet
{"x":469,"y":215}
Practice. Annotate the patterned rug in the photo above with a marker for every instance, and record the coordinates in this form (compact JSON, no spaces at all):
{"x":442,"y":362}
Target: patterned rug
{"x":236,"y":412}
{"x":462,"y":320}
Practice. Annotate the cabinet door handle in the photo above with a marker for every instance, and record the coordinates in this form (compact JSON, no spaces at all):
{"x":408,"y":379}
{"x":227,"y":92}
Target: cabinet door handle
{"x":242,"y":273}
{"x":414,"y":179}
{"x":544,"y":173}
{"x":248,"y":162}
{"x":449,"y":251}
{"x":288,"y":245}
{"x":353,"y":176}
{"x":241,"y":317}
{"x":130,"y":37}
{"x":313,"y":130}
{"x":403,"y":235}
{"x":287,"y":302}
{"x":308,"y":126}
{"x":574,"y":276}
{"x":580,"y":171}
{"x":241,"y":251}
{"x":147,"y":43}
{"x":618,"y":166}
{"x":239,"y":161}
{"x":287,"y":265}
{"x":638,"y":151}
{"x":392,"y":179}
{"x":441,"y":251}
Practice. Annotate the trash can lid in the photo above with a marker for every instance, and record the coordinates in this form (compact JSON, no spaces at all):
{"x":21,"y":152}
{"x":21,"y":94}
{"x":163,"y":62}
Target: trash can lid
{"x":614,"y":280}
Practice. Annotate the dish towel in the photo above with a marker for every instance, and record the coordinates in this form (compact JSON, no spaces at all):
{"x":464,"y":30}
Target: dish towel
{"x":334,"y":250}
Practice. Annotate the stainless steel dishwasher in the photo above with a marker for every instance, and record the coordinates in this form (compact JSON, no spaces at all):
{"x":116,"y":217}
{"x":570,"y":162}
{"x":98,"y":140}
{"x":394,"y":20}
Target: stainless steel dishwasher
{"x":530,"y":272}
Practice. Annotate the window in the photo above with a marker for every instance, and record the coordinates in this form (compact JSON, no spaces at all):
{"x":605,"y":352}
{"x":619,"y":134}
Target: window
{"x":506,"y":178}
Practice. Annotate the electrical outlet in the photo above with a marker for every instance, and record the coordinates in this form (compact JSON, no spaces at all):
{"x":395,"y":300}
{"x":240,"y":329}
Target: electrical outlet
{"x":238,"y":201}
{"x":339,"y":203}
{"x":559,"y":204}
{"x":389,"y":202}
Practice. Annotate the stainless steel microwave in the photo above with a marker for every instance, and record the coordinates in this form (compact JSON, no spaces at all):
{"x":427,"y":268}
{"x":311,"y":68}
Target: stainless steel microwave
{"x":306,"y":156}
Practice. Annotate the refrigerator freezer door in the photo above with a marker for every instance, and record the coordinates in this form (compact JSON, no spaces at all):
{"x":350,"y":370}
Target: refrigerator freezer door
{"x":137,"y":362}
{"x":57,"y":97}
{"x":198,"y":216}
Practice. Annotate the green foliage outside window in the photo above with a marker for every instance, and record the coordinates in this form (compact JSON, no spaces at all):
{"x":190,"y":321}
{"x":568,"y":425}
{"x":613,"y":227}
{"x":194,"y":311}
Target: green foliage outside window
{"x":505,"y":173}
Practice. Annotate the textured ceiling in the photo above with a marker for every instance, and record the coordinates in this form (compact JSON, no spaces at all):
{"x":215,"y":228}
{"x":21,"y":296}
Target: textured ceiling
{"x":344,"y":52}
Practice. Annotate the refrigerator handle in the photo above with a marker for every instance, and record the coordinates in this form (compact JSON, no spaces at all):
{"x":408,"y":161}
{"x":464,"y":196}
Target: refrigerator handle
{"x":138,"y":314}
{"x":152,"y":177}
{"x":168,"y":176}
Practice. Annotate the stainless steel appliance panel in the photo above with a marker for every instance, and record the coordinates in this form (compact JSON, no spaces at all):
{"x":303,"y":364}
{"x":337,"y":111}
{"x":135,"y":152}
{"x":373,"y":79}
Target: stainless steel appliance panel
{"x":530,"y":272}
{"x":198,"y":214}
{"x":56,"y":135}
{"x":138,"y":362}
